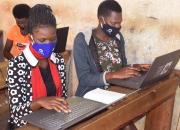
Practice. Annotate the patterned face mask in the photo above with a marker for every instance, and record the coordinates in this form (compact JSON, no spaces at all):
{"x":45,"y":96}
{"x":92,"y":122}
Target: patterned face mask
{"x":109,"y":30}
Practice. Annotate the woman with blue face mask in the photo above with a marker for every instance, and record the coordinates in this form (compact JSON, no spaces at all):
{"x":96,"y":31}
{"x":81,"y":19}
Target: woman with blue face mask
{"x":36,"y":78}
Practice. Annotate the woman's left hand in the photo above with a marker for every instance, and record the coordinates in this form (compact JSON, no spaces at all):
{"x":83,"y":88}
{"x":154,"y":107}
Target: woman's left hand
{"x":52,"y":102}
{"x":142,"y":67}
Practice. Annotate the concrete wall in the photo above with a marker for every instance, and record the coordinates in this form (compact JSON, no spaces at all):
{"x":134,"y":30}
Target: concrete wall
{"x":150,"y":27}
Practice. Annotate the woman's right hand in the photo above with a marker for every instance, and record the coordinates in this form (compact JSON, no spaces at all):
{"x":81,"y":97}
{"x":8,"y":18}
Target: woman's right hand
{"x":52,"y":103}
{"x":123,"y":73}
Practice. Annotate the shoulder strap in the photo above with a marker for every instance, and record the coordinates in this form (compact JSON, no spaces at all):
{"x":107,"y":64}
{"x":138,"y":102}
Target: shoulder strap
{"x":120,"y":44}
{"x":93,"y":50}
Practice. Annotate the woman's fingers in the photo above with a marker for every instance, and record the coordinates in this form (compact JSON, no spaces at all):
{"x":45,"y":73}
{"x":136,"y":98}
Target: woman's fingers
{"x":142,"y":67}
{"x":59,"y":108}
{"x":145,"y":67}
{"x":134,"y":68}
{"x":57,"y":103}
{"x":133,"y":71}
{"x":54,"y":107}
{"x":61,"y":104}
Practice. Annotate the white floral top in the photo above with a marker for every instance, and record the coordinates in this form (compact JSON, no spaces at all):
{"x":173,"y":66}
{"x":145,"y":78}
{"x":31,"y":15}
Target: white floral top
{"x":19,"y":84}
{"x":108,"y":54}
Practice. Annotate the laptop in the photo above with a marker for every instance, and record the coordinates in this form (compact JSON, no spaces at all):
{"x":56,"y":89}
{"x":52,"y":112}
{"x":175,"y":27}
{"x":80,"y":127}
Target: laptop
{"x":62,"y":34}
{"x":160,"y":68}
{"x":51,"y":120}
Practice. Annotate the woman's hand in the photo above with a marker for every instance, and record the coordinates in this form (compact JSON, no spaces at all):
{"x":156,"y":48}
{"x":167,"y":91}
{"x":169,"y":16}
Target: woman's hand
{"x":51,"y":103}
{"x":123,"y":73}
{"x":142,"y":67}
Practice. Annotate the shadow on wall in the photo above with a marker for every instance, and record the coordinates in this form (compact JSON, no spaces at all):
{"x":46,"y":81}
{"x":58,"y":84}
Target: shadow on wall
{"x":149,"y":37}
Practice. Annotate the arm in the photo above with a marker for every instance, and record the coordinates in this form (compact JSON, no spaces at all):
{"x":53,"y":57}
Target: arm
{"x":87,"y":77}
{"x":7,"y":49}
{"x":62,"y":73}
{"x":18,"y":91}
{"x":123,"y":73}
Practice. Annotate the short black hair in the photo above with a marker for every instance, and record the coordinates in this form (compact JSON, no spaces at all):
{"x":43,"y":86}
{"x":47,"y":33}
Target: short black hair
{"x":107,"y":6}
{"x":21,"y":11}
{"x":41,"y":14}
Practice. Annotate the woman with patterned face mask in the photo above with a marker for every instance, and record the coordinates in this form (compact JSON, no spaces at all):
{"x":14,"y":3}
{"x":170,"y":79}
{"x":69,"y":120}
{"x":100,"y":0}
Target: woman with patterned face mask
{"x":36,"y":78}
{"x":99,"y":53}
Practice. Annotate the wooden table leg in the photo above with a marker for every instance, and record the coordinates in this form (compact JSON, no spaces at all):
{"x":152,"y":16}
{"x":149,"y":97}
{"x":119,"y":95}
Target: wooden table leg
{"x":160,"y":118}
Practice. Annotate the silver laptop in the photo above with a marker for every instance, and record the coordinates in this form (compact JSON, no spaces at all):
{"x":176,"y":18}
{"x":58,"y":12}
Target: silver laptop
{"x":160,"y":68}
{"x":52,"y":120}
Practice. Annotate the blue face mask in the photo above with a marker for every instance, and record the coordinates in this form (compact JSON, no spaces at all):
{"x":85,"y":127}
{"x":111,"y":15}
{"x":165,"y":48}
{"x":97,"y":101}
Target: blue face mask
{"x":45,"y":49}
{"x":109,"y":30}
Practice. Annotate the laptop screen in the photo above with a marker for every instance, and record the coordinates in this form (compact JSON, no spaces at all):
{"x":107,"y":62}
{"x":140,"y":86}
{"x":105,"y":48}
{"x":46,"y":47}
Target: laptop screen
{"x":62,"y":34}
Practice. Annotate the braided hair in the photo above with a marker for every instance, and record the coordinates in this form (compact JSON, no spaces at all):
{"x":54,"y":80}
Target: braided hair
{"x":41,"y":15}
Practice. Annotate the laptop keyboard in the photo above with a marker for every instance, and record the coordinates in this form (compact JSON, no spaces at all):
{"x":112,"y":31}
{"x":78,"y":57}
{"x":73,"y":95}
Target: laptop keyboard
{"x":57,"y":120}
{"x":138,"y":78}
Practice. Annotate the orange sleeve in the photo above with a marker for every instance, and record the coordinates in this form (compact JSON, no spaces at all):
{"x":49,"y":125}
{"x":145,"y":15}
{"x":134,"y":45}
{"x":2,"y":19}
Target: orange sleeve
{"x":10,"y":34}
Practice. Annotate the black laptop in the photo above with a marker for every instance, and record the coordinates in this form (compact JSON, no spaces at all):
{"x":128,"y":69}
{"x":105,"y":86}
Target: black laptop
{"x":160,"y":68}
{"x":62,"y":34}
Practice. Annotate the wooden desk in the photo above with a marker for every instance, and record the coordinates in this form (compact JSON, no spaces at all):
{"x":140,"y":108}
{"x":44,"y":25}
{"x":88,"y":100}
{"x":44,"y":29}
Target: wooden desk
{"x":156,"y":103}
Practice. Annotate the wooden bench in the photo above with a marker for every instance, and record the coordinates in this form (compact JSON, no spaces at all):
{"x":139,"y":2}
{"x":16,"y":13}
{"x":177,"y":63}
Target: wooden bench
{"x":4,"y":106}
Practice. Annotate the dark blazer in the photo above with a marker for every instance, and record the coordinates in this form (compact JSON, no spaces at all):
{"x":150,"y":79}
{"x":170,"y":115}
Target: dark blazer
{"x":89,"y":71}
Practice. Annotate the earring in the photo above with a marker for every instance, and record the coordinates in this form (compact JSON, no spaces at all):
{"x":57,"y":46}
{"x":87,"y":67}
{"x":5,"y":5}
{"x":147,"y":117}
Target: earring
{"x":32,"y":39}
{"x":101,"y":25}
